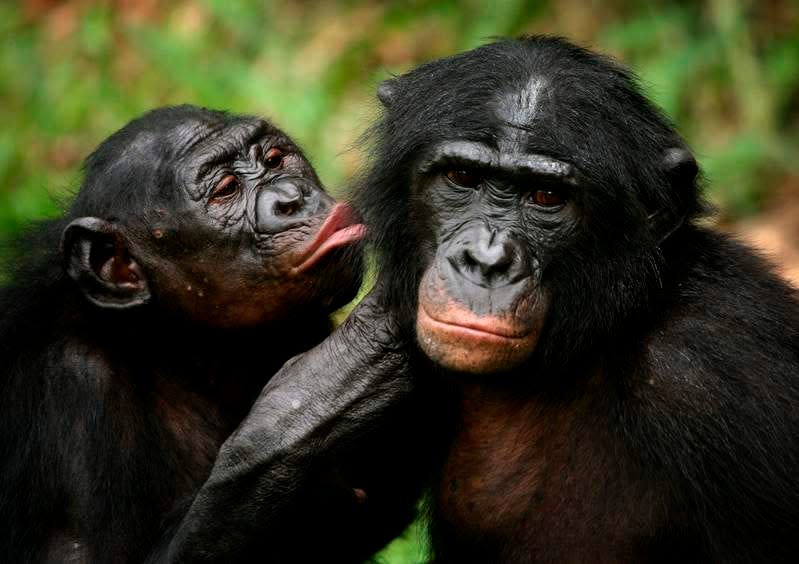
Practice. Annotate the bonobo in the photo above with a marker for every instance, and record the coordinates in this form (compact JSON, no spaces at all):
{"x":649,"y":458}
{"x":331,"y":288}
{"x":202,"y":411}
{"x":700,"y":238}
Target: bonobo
{"x":138,"y":330}
{"x":627,"y":379}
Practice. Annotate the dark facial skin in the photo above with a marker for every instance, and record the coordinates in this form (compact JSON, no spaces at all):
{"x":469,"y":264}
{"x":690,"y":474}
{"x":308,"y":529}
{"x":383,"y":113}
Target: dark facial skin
{"x":243,"y":247}
{"x":497,"y":214}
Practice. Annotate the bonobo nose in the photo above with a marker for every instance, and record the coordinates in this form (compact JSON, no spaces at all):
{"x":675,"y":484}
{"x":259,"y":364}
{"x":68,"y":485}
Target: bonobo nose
{"x":283,"y":203}
{"x":288,"y":199}
{"x":487,"y":257}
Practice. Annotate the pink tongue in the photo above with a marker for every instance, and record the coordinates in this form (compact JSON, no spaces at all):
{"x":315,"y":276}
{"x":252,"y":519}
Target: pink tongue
{"x":338,"y":230}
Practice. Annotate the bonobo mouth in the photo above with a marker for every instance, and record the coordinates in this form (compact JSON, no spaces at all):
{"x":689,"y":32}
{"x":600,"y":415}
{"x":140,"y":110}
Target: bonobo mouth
{"x":472,"y":327}
{"x":340,"y":228}
{"x":466,"y":328}
{"x":460,"y":340}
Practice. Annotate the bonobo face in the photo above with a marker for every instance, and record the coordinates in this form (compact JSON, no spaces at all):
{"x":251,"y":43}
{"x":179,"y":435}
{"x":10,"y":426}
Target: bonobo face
{"x":216,"y":216}
{"x":524,"y":191}
{"x":270,"y":239}
{"x":498,"y":213}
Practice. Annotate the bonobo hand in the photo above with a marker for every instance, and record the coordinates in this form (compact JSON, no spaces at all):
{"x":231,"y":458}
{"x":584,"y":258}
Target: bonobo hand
{"x":317,"y":406}
{"x":321,"y":399}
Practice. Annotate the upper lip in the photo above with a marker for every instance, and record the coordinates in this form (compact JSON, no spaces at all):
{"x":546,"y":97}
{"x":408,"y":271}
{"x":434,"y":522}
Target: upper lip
{"x":341,"y":227}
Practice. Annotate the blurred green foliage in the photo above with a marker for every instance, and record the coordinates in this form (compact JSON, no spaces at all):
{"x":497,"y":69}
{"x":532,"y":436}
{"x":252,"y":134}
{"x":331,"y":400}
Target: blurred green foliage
{"x":71,"y":73}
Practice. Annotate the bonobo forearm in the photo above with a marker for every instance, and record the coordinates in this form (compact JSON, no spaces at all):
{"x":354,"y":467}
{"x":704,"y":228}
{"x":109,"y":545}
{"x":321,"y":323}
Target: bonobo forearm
{"x":316,"y":406}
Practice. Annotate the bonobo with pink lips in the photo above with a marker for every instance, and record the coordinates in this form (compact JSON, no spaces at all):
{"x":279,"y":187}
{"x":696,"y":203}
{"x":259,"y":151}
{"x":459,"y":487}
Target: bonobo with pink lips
{"x":140,"y":332}
{"x":625,"y":380}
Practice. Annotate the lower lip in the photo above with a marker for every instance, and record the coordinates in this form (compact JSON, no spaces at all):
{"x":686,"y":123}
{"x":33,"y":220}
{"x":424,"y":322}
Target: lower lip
{"x":469,"y":333}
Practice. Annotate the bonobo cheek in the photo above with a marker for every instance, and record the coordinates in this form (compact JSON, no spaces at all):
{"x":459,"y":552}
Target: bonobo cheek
{"x":454,"y":336}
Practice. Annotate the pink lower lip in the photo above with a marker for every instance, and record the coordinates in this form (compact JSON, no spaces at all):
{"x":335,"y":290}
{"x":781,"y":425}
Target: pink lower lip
{"x":474,"y":327}
{"x":338,"y":230}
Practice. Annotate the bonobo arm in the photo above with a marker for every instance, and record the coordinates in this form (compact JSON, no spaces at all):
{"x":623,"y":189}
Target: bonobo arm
{"x":320,"y":405}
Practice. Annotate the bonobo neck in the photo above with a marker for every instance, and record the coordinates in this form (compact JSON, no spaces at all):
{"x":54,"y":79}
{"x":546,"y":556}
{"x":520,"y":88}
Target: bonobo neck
{"x":532,"y":378}
{"x":183,"y":335}
{"x":477,"y":394}
{"x":147,"y":337}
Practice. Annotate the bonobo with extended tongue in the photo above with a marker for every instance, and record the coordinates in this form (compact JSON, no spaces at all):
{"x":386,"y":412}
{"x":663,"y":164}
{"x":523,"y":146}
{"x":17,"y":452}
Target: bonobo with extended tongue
{"x":138,"y":332}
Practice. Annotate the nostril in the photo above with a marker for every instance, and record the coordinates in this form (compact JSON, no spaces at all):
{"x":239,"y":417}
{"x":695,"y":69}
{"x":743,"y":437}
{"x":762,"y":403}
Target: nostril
{"x":289,"y":200}
{"x":287,"y":207}
{"x":488,"y":262}
{"x":281,"y":203}
{"x":486,"y":257}
{"x":505,"y":258}
{"x":469,"y":261}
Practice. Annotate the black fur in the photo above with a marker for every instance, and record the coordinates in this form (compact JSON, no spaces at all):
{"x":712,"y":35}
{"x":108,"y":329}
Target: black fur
{"x":693,"y":429}
{"x":113,"y":408}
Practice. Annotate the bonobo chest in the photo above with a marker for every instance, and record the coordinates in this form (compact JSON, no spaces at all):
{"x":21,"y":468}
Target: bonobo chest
{"x":541,"y":479}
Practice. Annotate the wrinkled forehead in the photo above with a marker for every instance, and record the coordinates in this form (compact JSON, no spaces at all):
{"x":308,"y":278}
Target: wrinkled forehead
{"x":196,"y":138}
{"x":185,"y":151}
{"x":188,"y":137}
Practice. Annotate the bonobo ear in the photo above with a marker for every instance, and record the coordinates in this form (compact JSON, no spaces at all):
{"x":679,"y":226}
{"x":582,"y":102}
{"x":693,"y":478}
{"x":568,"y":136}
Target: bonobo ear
{"x":681,"y":170}
{"x":680,"y":165}
{"x":386,"y":92}
{"x":96,"y":257}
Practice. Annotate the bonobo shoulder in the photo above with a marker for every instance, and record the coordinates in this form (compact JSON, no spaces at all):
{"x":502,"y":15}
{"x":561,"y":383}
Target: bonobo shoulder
{"x":723,"y":305}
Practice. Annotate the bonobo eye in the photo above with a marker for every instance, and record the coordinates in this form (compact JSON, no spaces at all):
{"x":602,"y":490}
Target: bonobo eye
{"x":464,"y":178}
{"x":225,"y":189}
{"x":273,"y":158}
{"x":547,"y":198}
